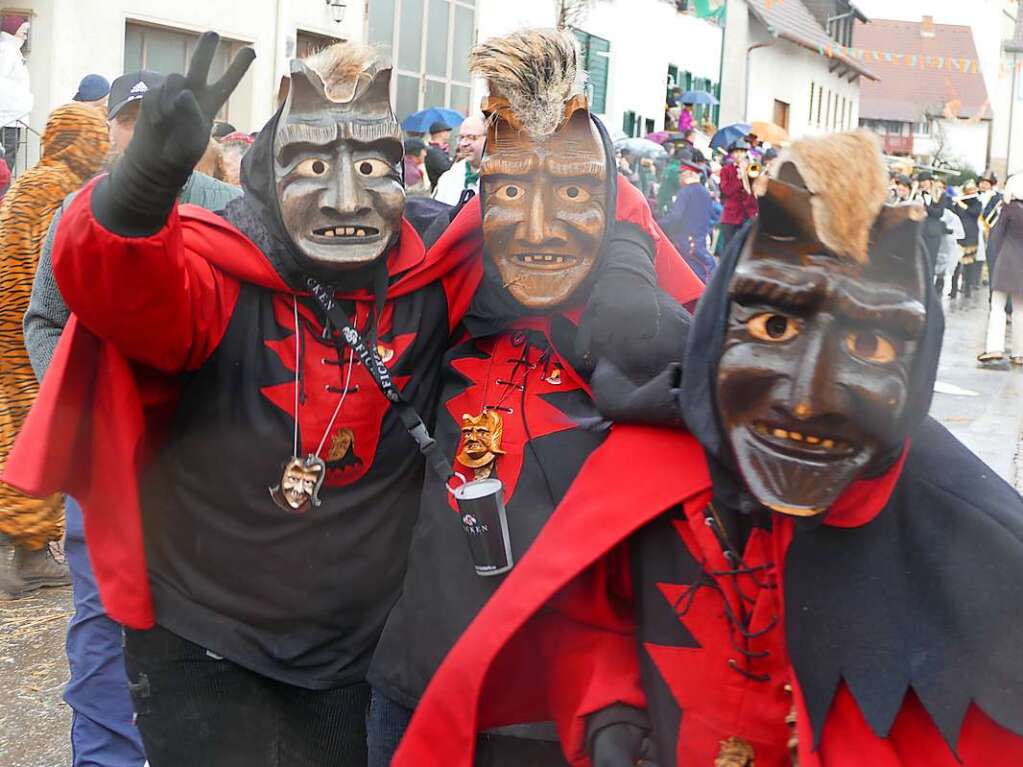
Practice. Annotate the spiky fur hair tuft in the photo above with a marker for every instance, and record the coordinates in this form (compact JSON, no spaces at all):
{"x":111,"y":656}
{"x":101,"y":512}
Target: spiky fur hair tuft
{"x":847,"y":177}
{"x":341,"y":65}
{"x":536,"y":70}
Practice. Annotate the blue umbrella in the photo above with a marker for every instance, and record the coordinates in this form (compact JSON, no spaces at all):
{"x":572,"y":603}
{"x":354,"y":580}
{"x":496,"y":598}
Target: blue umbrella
{"x":697,"y":97}
{"x":728,"y":135}
{"x":420,"y":122}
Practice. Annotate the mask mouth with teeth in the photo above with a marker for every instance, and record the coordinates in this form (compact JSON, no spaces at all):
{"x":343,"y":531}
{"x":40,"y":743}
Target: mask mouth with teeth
{"x":544,"y":177}
{"x":824,"y":326}
{"x":337,"y":155}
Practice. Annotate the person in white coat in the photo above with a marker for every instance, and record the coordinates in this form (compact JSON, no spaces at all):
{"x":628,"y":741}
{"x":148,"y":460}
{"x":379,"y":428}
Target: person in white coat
{"x":15,"y":88}
{"x":464,"y":174}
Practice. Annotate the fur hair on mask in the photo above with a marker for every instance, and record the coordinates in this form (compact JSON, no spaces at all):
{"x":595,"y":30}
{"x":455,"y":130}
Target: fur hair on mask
{"x":536,"y":70}
{"x":342,"y":65}
{"x":847,"y":178}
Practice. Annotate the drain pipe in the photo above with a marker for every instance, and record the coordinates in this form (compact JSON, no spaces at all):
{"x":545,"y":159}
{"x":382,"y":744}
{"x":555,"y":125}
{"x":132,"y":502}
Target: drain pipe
{"x":745,"y":101}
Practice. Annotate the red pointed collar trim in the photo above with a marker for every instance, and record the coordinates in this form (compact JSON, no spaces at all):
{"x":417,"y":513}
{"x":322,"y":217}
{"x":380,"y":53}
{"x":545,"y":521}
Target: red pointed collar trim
{"x":864,"y":499}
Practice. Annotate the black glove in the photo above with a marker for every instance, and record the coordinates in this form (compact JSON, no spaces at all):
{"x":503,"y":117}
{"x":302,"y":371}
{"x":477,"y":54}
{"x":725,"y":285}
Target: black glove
{"x":171,"y":135}
{"x":654,"y":402}
{"x":623,"y":308}
{"x":622,"y":744}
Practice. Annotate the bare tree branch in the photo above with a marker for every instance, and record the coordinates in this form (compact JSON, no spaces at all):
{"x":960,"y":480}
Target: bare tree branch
{"x":570,"y":13}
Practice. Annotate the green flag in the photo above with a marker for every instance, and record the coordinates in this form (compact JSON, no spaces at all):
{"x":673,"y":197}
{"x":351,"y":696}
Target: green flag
{"x":709,"y":9}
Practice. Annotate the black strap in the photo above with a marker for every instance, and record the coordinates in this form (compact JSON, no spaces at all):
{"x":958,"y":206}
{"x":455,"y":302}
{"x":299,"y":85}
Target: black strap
{"x":382,"y":376}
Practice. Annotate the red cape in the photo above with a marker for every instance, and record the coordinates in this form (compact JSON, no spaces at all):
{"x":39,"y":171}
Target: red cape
{"x":481,"y":684}
{"x":99,"y":417}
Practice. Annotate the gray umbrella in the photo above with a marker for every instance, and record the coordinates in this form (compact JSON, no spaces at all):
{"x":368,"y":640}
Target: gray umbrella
{"x":642,"y":147}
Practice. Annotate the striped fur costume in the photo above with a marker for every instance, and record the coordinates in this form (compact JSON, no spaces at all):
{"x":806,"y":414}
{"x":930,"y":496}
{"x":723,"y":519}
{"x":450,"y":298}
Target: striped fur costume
{"x":75,"y":144}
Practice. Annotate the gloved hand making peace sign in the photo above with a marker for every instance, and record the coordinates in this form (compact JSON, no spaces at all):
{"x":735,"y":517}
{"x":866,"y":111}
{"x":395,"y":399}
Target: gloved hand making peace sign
{"x":171,"y":135}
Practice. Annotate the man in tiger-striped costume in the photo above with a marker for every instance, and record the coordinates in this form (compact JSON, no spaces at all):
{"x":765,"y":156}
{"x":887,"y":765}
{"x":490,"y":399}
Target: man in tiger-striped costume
{"x":74,"y":145}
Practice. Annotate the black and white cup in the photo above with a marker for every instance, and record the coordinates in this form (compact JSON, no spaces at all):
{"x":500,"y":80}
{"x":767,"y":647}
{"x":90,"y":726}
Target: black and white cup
{"x":485,"y":521}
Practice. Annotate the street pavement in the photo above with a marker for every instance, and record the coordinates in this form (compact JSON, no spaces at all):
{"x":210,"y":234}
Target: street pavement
{"x":990,"y":422}
{"x":985,"y":412}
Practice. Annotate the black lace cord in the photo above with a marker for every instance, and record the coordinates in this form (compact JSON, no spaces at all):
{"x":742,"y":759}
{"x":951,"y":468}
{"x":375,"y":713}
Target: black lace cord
{"x":740,"y":623}
{"x":544,"y":358}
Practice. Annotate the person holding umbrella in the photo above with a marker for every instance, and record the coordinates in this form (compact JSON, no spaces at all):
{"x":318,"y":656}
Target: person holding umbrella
{"x":740,"y":204}
{"x":438,"y":154}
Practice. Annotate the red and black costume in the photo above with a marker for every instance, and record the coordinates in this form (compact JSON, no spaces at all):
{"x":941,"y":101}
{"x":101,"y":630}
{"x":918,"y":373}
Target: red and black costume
{"x":170,"y":406}
{"x":526,"y":367}
{"x":881,"y":632}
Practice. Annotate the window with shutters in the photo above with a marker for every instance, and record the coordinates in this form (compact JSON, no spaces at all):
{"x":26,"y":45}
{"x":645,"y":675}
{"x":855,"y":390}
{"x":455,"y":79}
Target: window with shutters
{"x":629,"y":123}
{"x":596,"y":54}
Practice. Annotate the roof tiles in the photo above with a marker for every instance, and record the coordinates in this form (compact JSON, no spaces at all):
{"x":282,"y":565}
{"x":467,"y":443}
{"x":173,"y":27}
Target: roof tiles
{"x":906,"y":93}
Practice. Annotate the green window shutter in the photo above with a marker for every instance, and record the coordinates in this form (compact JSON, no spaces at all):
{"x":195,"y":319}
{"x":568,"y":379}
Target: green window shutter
{"x":629,"y":123}
{"x":595,"y":52}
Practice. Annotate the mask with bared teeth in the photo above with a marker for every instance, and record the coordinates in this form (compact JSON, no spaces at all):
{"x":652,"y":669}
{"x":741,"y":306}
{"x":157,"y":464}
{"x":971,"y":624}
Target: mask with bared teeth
{"x":828,"y":307}
{"x":544,"y":173}
{"x":337,"y":155}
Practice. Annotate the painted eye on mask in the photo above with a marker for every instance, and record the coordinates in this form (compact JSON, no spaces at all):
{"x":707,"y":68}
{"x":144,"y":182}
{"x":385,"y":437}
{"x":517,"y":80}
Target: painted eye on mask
{"x":871,"y":347}
{"x":510,"y":193}
{"x":312,"y":168}
{"x":773,"y":328}
{"x":372,"y":168}
{"x":574,"y":193}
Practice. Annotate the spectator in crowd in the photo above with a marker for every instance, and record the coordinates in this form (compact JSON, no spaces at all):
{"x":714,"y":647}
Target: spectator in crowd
{"x":740,"y":204}
{"x":688,"y":223}
{"x":92,"y":91}
{"x":924,"y":179}
{"x":438,"y":155}
{"x":414,"y":163}
{"x":212,"y":161}
{"x":966,"y":276}
{"x":951,"y":231}
{"x":1006,"y":247}
{"x":685,"y":119}
{"x":74,"y":145}
{"x":232,"y":151}
{"x":222,"y":129}
{"x":464,"y":174}
{"x":903,"y":190}
{"x":15,"y":86}
{"x":103,"y":731}
{"x":5,"y":176}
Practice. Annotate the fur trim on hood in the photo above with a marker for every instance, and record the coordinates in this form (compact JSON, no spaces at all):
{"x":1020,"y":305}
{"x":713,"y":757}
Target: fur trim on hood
{"x":847,"y":177}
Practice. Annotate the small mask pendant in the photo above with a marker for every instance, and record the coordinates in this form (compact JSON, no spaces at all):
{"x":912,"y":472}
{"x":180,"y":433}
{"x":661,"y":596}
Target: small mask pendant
{"x":481,"y":442}
{"x":299,"y":489}
{"x":385,"y":353}
{"x":735,"y":752}
{"x":554,"y":379}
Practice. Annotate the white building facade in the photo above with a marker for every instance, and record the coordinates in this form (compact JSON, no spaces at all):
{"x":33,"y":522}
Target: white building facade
{"x":780,"y":66}
{"x":630,"y":46}
{"x":71,"y":38}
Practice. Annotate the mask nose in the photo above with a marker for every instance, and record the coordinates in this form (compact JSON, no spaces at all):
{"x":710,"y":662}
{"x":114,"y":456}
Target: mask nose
{"x":539,"y":229}
{"x":345,"y":194}
{"x":815,"y":392}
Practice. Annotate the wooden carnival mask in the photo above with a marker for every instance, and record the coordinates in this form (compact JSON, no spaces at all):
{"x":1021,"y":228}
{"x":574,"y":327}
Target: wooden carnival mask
{"x":337,"y":159}
{"x":481,"y":442}
{"x":815,"y":370}
{"x":544,"y":202}
{"x":300,"y":486}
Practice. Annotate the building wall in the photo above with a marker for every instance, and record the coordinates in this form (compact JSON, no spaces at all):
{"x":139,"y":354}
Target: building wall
{"x":646,"y":37}
{"x":72,"y":38}
{"x":784,"y":71}
{"x":75,"y":37}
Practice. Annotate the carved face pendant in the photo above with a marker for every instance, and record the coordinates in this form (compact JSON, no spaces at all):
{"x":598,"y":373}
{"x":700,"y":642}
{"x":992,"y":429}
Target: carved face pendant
{"x":299,"y":489}
{"x":481,"y":442}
